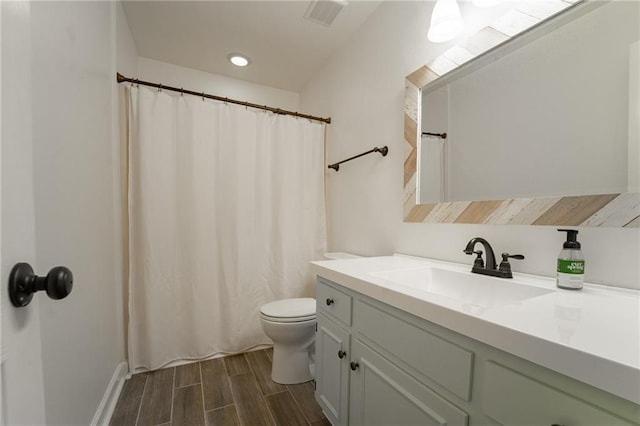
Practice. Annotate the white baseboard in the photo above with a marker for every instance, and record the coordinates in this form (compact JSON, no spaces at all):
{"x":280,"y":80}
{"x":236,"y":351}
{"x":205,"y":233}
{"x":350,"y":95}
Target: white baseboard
{"x":110,"y":397}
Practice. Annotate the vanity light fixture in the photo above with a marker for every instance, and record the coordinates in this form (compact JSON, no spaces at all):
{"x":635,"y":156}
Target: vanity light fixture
{"x":446,"y":21}
{"x":238,"y":59}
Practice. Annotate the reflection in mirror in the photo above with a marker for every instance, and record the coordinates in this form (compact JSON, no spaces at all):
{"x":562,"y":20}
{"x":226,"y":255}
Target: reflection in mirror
{"x":542,"y":129}
{"x":549,"y":118}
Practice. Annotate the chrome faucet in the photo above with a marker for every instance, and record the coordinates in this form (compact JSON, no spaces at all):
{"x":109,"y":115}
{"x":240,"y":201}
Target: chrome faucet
{"x":489,"y":267}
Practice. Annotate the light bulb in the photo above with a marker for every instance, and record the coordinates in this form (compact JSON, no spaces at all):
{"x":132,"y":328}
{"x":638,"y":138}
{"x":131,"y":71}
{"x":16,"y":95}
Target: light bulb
{"x":238,"y":60}
{"x":446,"y":22}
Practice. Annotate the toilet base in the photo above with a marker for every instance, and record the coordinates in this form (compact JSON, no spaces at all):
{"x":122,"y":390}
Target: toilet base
{"x":290,"y":366}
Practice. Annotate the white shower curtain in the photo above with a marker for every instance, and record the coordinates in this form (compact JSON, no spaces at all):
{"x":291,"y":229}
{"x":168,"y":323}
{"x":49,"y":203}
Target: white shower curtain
{"x":226,"y":210}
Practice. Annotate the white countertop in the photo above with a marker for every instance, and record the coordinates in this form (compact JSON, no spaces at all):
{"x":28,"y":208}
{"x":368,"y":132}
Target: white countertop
{"x":592,"y":335}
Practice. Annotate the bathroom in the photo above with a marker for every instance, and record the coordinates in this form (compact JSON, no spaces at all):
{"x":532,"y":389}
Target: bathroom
{"x":60,"y":139}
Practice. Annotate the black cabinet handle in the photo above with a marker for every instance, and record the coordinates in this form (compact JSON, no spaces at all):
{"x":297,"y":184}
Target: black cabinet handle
{"x":329,"y":301}
{"x":354,"y":366}
{"x":23,"y":283}
{"x":341,"y":354}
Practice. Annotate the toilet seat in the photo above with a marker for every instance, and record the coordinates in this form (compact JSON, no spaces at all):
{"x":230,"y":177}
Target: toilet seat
{"x":289,"y":310}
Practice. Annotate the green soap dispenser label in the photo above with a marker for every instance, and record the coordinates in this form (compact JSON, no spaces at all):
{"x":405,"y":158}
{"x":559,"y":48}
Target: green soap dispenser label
{"x":573,"y":267}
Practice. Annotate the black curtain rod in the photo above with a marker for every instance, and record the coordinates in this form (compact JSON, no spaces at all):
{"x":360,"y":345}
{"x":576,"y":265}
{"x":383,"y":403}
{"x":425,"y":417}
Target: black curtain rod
{"x":384,"y":151}
{"x":439,"y":135}
{"x":122,"y":79}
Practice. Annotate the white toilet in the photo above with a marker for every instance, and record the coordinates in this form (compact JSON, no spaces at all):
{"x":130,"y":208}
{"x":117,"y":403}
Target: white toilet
{"x":291,"y":324}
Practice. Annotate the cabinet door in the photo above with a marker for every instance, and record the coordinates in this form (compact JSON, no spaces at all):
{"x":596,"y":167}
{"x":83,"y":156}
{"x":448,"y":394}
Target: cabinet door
{"x":332,"y":370}
{"x":383,"y":394}
{"x":514,"y":399}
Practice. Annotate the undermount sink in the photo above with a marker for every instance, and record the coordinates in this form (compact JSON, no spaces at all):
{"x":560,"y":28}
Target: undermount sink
{"x":469,"y":289}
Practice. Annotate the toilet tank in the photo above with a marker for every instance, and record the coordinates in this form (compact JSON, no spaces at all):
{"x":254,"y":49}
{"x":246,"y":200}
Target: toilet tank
{"x":340,"y":255}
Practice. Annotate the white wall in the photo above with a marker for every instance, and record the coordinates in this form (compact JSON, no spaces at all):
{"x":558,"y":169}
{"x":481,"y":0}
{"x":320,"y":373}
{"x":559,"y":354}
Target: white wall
{"x":633,"y":170}
{"x":362,"y":89}
{"x":22,"y":377}
{"x":126,"y":52}
{"x":173,"y":75}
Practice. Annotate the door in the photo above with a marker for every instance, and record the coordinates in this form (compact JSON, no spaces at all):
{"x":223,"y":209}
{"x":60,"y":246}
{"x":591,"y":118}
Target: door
{"x":21,"y":368}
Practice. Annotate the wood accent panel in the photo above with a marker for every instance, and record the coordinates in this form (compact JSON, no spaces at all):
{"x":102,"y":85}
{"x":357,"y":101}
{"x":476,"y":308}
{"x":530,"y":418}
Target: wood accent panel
{"x":422,"y":76}
{"x":187,"y":374}
{"x":573,"y":211}
{"x":252,"y":409}
{"x":225,"y":416}
{"x":410,"y":131}
{"x":419,"y":212}
{"x":619,"y":212}
{"x":156,"y":402}
{"x":507,"y":210}
{"x":215,"y":384}
{"x":533,"y":210}
{"x":187,"y":406}
{"x":261,"y":366}
{"x":126,"y":411}
{"x":303,"y":394}
{"x":410,"y":166}
{"x":284,"y":411}
{"x":591,"y":210}
{"x":635,"y":223}
{"x":478,"y":211}
{"x":483,"y":40}
{"x":447,"y":212}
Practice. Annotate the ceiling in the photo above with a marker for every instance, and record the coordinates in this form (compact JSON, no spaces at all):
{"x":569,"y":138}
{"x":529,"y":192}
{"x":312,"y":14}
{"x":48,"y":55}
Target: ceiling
{"x":285,"y":49}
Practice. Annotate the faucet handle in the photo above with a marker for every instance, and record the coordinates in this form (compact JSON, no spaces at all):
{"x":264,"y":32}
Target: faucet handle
{"x":505,"y":266}
{"x":505,"y":256}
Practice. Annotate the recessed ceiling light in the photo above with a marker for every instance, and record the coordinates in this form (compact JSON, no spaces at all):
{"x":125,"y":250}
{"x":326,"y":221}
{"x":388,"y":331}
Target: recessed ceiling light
{"x":238,"y":59}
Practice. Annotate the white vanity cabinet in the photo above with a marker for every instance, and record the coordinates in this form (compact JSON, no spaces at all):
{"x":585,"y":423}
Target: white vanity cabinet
{"x":397,"y":368}
{"x":333,"y":351}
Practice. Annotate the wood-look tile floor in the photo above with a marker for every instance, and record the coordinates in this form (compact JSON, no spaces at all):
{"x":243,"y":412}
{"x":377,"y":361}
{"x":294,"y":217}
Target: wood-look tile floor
{"x":235,"y":390}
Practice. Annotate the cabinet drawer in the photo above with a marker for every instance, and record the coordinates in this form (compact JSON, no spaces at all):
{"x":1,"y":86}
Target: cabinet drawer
{"x":333,"y":302}
{"x":512,"y":399}
{"x":441,"y":361}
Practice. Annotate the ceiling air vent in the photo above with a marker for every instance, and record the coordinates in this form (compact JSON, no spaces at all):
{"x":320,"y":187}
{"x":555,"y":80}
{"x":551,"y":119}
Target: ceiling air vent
{"x":324,"y":11}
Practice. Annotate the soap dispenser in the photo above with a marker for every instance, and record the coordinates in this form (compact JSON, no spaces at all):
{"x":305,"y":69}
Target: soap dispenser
{"x":570,"y":271}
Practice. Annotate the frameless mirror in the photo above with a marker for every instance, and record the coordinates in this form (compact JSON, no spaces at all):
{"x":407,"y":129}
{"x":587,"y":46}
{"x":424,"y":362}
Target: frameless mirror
{"x":542,"y":129}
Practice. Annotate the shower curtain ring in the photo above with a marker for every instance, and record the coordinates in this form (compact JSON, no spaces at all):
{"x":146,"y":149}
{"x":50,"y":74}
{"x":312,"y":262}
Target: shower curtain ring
{"x":182,"y":91}
{"x":202,"y":96}
{"x":160,"y":87}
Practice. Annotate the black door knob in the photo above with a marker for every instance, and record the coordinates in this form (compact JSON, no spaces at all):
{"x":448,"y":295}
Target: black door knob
{"x":329,"y":301}
{"x":341,"y":354}
{"x":354,"y":366}
{"x":23,"y":283}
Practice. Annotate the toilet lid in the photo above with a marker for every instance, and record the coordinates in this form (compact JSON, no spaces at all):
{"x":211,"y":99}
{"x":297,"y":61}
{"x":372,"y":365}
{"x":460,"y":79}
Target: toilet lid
{"x":298,"y":308}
